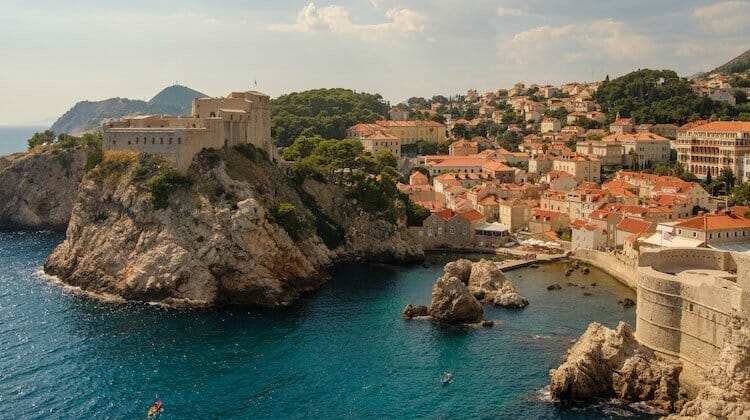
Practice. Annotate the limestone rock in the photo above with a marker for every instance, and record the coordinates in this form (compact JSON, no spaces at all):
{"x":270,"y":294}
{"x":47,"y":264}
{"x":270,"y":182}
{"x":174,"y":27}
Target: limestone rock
{"x":412,"y":311}
{"x":452,"y":302}
{"x":460,"y":269}
{"x":38,"y":188}
{"x":213,"y":244}
{"x":486,"y":277}
{"x":606,"y":363}
{"x":725,"y":390}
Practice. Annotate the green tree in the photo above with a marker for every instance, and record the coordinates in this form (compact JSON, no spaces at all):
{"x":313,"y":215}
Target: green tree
{"x":302,"y":147}
{"x":41,"y":137}
{"x":385,"y":158}
{"x":741,"y":194}
{"x":726,"y":177}
{"x":324,"y":112}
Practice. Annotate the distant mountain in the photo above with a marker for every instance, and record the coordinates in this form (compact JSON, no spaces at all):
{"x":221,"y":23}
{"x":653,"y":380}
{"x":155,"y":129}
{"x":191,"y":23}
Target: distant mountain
{"x":88,"y":115}
{"x":175,"y":100}
{"x":738,"y":64}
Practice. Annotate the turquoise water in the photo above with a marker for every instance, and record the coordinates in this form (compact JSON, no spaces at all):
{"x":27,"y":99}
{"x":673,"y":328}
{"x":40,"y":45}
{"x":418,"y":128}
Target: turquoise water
{"x":341,"y":352}
{"x":14,"y":139}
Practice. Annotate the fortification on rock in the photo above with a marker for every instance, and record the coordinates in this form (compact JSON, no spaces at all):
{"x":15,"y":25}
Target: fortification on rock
{"x":686,"y":299}
{"x":241,"y":117}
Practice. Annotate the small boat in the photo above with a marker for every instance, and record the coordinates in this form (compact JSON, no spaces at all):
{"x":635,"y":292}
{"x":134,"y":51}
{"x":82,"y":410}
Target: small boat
{"x":447,"y":378}
{"x":155,"y":409}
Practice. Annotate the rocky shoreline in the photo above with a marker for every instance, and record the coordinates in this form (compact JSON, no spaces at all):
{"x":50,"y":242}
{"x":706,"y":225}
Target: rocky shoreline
{"x":606,"y":363}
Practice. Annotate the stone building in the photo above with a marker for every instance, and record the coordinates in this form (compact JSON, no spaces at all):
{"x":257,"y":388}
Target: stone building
{"x":708,"y":148}
{"x":241,"y":117}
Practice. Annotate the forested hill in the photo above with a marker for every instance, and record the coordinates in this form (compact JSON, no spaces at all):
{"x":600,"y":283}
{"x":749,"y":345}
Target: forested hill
{"x":88,"y":115}
{"x":661,"y":96}
{"x":324,"y":112}
{"x":738,"y":64}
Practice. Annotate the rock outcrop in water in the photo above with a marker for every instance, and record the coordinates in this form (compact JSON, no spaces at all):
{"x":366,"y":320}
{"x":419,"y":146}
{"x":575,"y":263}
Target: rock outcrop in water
{"x":458,"y":293}
{"x":453,"y":303}
{"x":607,"y":363}
{"x":488,"y":281}
{"x":143,"y":233}
{"x":38,"y":187}
{"x":725,"y":391}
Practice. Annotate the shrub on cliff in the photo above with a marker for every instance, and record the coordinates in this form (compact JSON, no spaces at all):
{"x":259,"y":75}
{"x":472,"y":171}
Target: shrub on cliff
{"x":93,"y":159}
{"x":162,"y":184}
{"x":285,"y":215}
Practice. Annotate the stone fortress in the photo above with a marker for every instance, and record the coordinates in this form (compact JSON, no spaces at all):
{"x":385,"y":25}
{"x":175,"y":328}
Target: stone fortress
{"x":241,"y":117}
{"x":686,"y":299}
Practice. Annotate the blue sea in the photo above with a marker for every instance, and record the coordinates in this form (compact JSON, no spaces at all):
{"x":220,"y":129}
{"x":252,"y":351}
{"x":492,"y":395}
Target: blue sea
{"x":14,"y":139}
{"x":341,"y":352}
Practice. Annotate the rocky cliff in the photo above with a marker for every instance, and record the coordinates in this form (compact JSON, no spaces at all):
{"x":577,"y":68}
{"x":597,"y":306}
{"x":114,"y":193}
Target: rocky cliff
{"x":725,"y":391}
{"x":38,"y":188}
{"x":607,"y":363}
{"x":234,"y":232}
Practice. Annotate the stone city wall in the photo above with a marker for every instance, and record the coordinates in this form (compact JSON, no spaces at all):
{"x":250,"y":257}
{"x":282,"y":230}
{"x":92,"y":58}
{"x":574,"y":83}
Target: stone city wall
{"x":686,"y":316}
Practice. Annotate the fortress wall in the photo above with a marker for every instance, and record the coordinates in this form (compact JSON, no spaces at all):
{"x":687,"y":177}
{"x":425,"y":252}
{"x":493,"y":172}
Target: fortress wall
{"x":686,"y":315}
{"x":177,"y":146}
{"x":622,"y":268}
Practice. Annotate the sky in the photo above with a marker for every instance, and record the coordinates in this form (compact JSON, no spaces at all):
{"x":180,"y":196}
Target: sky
{"x":55,"y":53}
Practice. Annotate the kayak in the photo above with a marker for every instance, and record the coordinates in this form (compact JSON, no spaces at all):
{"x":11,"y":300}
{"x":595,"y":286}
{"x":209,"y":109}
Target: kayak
{"x":447,"y":378}
{"x":155,"y":409}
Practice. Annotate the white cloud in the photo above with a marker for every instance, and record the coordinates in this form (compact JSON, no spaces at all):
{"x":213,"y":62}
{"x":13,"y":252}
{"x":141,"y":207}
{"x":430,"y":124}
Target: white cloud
{"x":335,"y":19}
{"x":604,"y":39}
{"x":508,"y":11}
{"x":725,"y":18}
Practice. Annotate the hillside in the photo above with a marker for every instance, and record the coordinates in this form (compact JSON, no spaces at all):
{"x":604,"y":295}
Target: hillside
{"x":323,"y":112}
{"x":88,"y":115}
{"x":660,"y":96}
{"x":736,"y":65}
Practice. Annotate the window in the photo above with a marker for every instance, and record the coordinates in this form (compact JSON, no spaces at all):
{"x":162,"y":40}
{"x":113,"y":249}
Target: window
{"x":153,"y":140}
{"x":179,"y":140}
{"x":161,"y":140}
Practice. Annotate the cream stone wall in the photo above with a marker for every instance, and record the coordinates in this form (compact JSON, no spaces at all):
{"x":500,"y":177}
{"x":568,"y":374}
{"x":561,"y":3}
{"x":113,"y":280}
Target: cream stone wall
{"x":685,"y":301}
{"x":242,"y":117}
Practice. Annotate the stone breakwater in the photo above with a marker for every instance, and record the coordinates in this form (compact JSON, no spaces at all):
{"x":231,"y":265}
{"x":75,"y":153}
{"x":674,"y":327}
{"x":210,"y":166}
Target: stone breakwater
{"x":458,"y":294}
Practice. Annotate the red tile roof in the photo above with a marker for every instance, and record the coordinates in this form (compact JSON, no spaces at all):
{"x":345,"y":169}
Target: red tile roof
{"x":712,"y":222}
{"x":632,"y":225}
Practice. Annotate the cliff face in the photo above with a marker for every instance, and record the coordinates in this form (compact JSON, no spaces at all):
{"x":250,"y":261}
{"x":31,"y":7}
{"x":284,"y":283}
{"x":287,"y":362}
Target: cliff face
{"x":215,"y":241}
{"x":367,"y":237}
{"x":38,"y":188}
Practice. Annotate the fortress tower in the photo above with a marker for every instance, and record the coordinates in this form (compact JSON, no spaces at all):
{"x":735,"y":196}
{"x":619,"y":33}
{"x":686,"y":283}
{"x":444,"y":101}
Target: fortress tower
{"x":686,"y":299}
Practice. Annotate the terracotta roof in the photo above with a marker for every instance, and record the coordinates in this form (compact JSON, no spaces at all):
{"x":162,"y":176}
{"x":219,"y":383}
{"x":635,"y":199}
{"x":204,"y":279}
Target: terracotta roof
{"x":632,"y":225}
{"x":411,"y":123}
{"x":723,"y":126}
{"x":472,"y":215}
{"x":537,"y":213}
{"x":711,"y":222}
{"x":494,"y":165}
{"x":445,"y":214}
{"x":490,"y":200}
{"x":634,"y":137}
{"x":582,"y":224}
